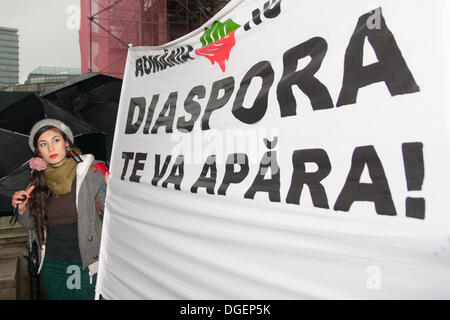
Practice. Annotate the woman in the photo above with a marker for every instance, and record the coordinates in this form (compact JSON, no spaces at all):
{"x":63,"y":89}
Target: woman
{"x":63,"y":205}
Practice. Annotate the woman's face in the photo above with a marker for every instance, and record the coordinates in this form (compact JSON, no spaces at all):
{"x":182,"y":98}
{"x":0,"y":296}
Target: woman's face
{"x":52,"y":147}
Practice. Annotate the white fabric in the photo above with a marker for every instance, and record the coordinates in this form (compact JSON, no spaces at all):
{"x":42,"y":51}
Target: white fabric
{"x":82,"y":170}
{"x":163,"y":243}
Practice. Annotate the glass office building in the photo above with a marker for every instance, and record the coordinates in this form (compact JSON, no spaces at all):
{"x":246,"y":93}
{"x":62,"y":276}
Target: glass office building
{"x":52,"y":74}
{"x":9,"y":57}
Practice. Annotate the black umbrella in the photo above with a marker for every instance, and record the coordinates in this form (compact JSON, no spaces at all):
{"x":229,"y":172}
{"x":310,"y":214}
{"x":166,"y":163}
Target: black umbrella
{"x":93,"y":98}
{"x":9,"y":97}
{"x":16,"y":122}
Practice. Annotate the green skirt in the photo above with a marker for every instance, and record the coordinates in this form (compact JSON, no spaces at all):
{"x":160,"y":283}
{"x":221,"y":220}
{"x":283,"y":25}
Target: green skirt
{"x":67,"y":281}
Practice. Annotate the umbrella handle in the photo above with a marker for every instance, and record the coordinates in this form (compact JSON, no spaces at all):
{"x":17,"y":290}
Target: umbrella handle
{"x":15,"y":214}
{"x":13,"y":220}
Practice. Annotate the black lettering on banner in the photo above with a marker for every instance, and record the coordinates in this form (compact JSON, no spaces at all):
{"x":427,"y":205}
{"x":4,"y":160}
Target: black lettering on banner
{"x":156,"y":64}
{"x":160,"y":173}
{"x":150,"y":112}
{"x":138,"y":165}
{"x":186,"y":56}
{"x":214,"y":102}
{"x":192,"y":107}
{"x":131,"y":128}
{"x":127,"y":156}
{"x":174,"y":178}
{"x":180,"y":52}
{"x":271,"y":10}
{"x":171,"y":57}
{"x":147,"y":65}
{"x":252,"y":115}
{"x":151,"y":63}
{"x":415,"y":172}
{"x":391,"y":68}
{"x":272,"y":185}
{"x":163,"y":60}
{"x":167,"y":114}
{"x":256,"y":14}
{"x":312,"y":179}
{"x":304,"y":79}
{"x":204,"y":181}
{"x":377,"y":192}
{"x":232,"y":176}
{"x":139,"y":68}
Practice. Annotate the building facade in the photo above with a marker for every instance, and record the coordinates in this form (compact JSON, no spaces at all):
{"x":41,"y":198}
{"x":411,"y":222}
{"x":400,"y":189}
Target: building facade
{"x":52,"y":74}
{"x":9,"y":57}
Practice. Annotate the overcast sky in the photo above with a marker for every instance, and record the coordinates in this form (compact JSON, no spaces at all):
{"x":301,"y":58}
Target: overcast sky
{"x":47,"y":33}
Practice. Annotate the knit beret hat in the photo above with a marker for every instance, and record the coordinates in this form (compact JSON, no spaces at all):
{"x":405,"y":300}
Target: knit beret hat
{"x":49,"y":122}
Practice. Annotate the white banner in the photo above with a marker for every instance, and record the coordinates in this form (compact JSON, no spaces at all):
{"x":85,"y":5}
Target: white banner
{"x":285,"y":150}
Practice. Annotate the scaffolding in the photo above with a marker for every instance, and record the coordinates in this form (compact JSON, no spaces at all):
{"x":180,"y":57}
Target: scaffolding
{"x":184,"y":16}
{"x":109,"y":27}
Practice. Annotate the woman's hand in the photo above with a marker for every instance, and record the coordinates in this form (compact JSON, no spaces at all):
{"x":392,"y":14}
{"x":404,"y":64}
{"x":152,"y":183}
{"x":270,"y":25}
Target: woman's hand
{"x":20,"y":199}
{"x":103,"y":169}
{"x":107,"y":174}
